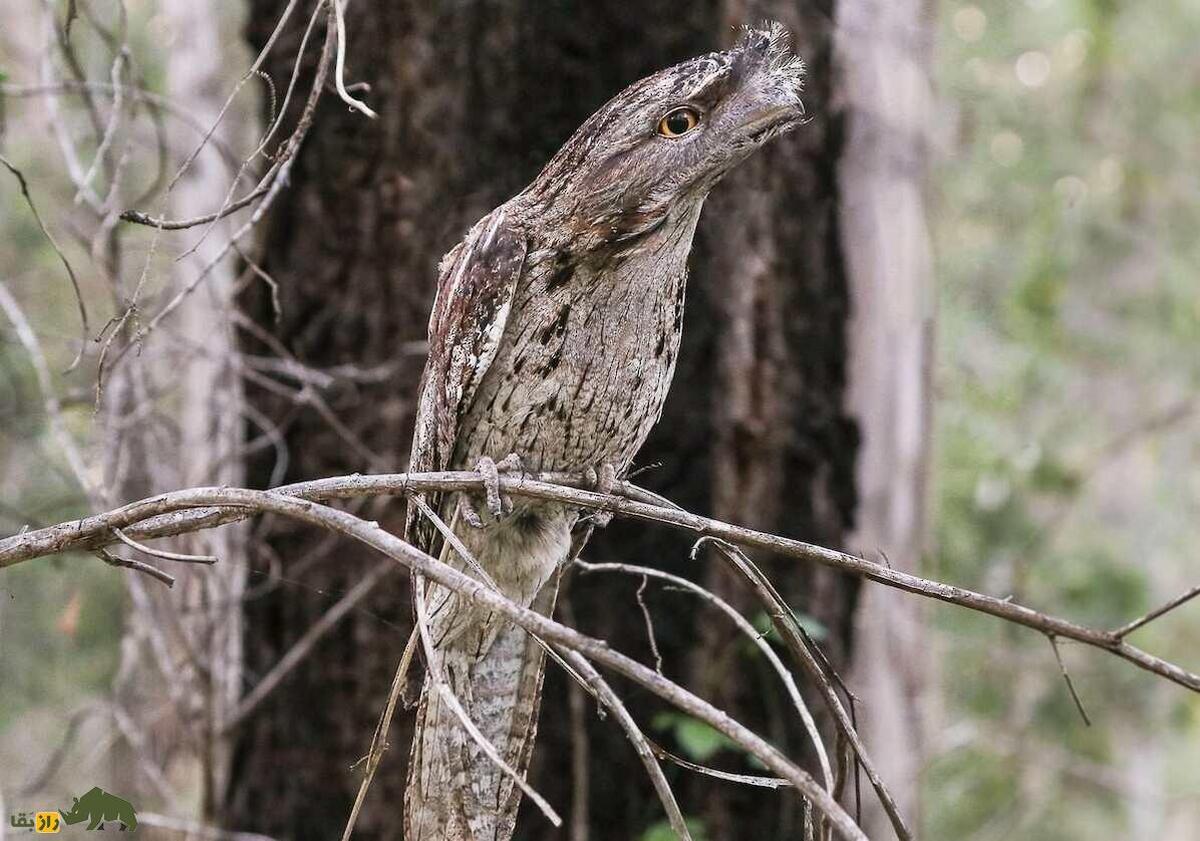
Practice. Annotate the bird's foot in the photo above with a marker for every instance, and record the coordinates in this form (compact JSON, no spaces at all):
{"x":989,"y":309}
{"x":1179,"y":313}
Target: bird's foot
{"x":602,"y":481}
{"x":497,"y":505}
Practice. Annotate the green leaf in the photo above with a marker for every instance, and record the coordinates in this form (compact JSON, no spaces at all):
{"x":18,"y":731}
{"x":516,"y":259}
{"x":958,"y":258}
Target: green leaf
{"x":763,"y":624}
{"x":697,"y":741}
{"x":811,"y":624}
{"x":662,"y":831}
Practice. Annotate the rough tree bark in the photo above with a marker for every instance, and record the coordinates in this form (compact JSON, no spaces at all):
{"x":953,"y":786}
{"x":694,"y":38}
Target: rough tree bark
{"x":473,"y":99}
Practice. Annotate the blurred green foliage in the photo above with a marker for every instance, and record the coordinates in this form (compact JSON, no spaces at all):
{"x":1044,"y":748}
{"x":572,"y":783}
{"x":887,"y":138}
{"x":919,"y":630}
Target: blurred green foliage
{"x":60,"y":635}
{"x":1065,"y":207}
{"x":662,"y":831}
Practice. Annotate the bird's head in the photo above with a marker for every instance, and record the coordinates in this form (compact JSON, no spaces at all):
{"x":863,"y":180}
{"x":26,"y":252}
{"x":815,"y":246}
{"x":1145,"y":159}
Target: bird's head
{"x":656,"y":149}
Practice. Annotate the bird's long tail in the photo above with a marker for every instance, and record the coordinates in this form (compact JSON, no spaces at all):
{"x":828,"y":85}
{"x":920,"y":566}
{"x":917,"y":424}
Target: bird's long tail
{"x":455,"y":792}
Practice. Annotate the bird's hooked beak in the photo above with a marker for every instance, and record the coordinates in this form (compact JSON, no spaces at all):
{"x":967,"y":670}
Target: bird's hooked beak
{"x":772,"y":79}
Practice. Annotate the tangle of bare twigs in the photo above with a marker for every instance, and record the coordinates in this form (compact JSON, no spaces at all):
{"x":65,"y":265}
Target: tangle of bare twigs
{"x":186,"y":511}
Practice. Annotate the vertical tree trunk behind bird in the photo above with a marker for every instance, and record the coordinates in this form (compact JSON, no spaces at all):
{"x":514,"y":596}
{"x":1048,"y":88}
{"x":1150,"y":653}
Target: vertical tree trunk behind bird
{"x":883,"y":50}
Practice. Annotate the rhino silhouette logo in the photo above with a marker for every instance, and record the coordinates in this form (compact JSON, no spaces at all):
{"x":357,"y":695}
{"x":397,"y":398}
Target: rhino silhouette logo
{"x":98,"y":806}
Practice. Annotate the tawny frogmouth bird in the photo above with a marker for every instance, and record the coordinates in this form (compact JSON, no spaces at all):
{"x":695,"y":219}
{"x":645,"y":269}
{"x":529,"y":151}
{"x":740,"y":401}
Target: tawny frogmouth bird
{"x":554,"y":337}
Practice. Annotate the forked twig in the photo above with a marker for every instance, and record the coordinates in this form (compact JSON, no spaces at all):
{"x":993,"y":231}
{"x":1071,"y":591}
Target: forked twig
{"x":1162,"y":610}
{"x":162,"y":553}
{"x":793,"y":635}
{"x":749,"y":631}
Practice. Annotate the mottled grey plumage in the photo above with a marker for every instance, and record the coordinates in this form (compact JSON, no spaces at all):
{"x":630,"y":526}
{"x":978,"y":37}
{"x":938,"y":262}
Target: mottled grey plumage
{"x":554,"y":336}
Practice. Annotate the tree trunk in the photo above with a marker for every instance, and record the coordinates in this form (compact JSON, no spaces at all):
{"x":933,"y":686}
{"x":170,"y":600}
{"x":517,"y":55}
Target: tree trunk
{"x":473,"y":98}
{"x":175,"y":419}
{"x":883,"y":51}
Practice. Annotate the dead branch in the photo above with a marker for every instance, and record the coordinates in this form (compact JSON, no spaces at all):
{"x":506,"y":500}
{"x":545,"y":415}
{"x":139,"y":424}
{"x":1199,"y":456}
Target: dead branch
{"x":743,"y":625}
{"x":163,"y":516}
{"x":186,"y":511}
{"x":164,"y":555}
{"x":814,"y":663}
{"x":137,"y":566}
{"x":605,"y":694}
{"x":1162,"y":610}
{"x":339,"y":8}
{"x":561,"y":636}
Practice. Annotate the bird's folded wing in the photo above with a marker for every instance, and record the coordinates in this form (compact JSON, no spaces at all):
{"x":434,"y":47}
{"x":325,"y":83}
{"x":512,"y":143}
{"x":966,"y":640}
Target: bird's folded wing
{"x":474,"y":294}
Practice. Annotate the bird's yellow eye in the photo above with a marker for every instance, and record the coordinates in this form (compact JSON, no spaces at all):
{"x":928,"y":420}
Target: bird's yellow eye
{"x":680,"y":121}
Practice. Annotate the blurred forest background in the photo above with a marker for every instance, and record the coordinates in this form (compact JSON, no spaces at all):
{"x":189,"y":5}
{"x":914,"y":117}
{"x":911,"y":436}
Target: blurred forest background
{"x":1061,"y":188}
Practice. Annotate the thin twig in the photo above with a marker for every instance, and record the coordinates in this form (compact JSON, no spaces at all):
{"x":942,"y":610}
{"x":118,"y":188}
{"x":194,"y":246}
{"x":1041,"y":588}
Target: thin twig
{"x":1067,"y":677}
{"x":339,"y":8}
{"x":128,"y":563}
{"x":110,"y":129}
{"x":1126,"y":630}
{"x":728,"y":776}
{"x":641,"y":590}
{"x":162,"y":553}
{"x":641,"y":744}
{"x":140,"y":218}
{"x":379,"y":742}
{"x":749,"y":631}
{"x":455,"y":543}
{"x":83,"y":316}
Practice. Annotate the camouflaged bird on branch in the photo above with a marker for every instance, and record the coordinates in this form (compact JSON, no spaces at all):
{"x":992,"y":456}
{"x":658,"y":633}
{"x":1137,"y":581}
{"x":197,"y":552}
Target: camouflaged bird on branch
{"x":553,"y":338}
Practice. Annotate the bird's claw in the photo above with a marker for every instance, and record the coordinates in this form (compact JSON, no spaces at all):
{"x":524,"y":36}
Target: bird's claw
{"x":602,"y":481}
{"x":471,"y":515}
{"x":497,"y":505}
{"x":511,"y":463}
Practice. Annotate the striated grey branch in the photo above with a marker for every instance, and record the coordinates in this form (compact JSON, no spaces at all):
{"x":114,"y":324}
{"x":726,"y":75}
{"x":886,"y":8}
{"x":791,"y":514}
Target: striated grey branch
{"x":164,"y":516}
